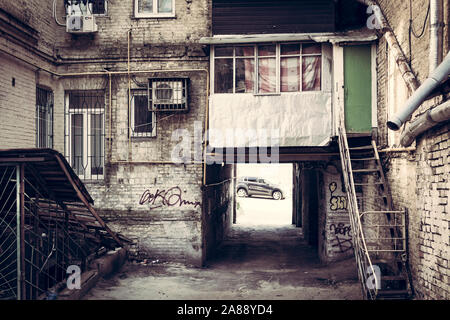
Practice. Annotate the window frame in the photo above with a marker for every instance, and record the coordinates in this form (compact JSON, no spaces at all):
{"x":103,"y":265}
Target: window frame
{"x":278,"y":58}
{"x":133,"y":134}
{"x":106,"y":11}
{"x":105,"y":14}
{"x":155,"y":13}
{"x":49,"y":111}
{"x":87,"y":125}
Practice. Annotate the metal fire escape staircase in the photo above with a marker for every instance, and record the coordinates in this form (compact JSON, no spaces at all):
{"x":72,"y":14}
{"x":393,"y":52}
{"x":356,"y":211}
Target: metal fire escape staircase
{"x":379,"y":232}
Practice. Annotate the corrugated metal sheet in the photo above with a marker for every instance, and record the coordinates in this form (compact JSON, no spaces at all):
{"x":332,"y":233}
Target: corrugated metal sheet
{"x":272,"y":16}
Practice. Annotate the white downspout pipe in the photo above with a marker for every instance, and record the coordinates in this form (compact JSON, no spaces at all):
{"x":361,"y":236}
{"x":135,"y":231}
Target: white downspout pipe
{"x":436,"y":29}
{"x":440,"y":74}
{"x":426,"y":121}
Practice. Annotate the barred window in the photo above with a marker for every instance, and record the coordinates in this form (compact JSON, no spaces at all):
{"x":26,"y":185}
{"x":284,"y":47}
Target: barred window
{"x":44,"y":118}
{"x":85,"y":132}
{"x":77,"y":7}
{"x":143,"y":122}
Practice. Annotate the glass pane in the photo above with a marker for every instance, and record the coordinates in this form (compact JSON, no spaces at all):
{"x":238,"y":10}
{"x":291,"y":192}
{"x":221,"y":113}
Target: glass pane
{"x":142,"y":117}
{"x":96,"y":144}
{"x":266,"y":50}
{"x":290,"y":74}
{"x":311,"y":69}
{"x":164,"y":6}
{"x":245,"y":51}
{"x":311,"y":48}
{"x":290,"y":49}
{"x":145,"y":6}
{"x":267,"y":75}
{"x":77,"y":143}
{"x":223,"y":51}
{"x":245,"y":75}
{"x":223,"y":76}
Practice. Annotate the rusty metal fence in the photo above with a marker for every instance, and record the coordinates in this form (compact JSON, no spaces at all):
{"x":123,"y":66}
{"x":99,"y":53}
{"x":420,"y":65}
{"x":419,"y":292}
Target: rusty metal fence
{"x":44,"y":227}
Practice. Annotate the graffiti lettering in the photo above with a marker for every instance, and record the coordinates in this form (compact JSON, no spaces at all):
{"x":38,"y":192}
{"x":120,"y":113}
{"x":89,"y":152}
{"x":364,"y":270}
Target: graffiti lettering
{"x":343,"y":237}
{"x":169,"y":198}
{"x":341,"y":229}
{"x":337,"y":202}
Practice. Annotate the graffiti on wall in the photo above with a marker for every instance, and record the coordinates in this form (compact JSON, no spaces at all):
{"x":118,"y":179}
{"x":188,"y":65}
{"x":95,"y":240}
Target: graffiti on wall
{"x":169,"y":198}
{"x":341,"y":237}
{"x":336,"y":202}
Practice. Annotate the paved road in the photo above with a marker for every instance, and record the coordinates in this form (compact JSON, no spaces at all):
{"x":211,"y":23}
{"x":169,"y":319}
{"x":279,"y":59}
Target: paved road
{"x":254,"y":263}
{"x":264,"y":211}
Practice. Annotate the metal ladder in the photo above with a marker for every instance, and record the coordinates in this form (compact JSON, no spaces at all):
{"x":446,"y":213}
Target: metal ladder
{"x":379,"y":233}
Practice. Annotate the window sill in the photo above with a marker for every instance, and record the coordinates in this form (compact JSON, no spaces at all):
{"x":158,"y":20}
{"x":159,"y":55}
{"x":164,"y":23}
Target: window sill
{"x":267,"y":94}
{"x":156,"y":16}
{"x":143,"y":138}
{"x":93,"y":181}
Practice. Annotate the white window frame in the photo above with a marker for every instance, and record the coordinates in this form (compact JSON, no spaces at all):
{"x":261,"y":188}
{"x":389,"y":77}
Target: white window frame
{"x":86,"y":113}
{"x":141,"y":92}
{"x":256,"y":64}
{"x":155,"y":13}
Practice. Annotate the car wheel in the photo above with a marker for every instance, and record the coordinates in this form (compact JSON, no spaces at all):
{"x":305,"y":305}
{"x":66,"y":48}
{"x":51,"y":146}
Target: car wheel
{"x":277,"y":195}
{"x":242,"y":193}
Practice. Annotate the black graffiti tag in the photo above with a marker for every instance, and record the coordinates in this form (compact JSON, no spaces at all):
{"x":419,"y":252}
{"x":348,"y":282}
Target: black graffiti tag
{"x":341,"y":231}
{"x":169,"y":198}
{"x":344,"y":245}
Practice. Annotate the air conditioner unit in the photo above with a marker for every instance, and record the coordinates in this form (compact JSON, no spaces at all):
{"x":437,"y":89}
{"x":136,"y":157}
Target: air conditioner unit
{"x":81,"y":24}
{"x":168,"y":94}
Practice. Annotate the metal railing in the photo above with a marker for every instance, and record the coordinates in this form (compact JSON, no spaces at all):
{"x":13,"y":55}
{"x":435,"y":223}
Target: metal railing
{"x":364,"y":264}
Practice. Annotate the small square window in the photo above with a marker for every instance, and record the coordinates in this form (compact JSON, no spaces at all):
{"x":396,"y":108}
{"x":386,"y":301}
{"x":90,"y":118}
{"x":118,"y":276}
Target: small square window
{"x":143,"y":121}
{"x":154,"y":8}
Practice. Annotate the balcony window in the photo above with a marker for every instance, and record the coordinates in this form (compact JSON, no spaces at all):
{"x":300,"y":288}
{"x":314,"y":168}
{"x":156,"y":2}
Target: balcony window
{"x":268,"y":69}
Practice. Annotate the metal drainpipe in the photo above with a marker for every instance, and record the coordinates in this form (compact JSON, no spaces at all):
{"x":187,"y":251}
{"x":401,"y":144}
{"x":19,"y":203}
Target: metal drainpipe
{"x":435,"y":34}
{"x":426,"y":121}
{"x":436,"y":77}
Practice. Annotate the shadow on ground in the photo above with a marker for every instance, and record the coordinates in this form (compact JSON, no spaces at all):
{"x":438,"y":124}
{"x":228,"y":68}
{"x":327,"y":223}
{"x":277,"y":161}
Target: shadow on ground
{"x":253,"y":263}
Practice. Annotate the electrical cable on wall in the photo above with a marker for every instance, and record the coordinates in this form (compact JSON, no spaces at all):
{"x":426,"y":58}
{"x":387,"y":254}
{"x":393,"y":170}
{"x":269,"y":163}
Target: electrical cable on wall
{"x":424,"y":22}
{"x":55,"y":15}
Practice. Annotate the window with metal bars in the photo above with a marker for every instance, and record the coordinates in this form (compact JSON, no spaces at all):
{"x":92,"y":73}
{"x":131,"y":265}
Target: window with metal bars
{"x":44,"y":118}
{"x":143,"y":120}
{"x":98,"y":7}
{"x":168,"y":94}
{"x":85,"y":132}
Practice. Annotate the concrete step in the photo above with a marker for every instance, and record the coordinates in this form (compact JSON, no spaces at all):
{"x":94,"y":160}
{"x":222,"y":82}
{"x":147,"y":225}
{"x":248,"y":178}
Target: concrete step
{"x":363,"y":159}
{"x":365,"y":170}
{"x":387,"y":294}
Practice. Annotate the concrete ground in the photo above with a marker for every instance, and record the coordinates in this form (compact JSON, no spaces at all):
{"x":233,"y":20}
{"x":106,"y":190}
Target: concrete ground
{"x":255,"y":262}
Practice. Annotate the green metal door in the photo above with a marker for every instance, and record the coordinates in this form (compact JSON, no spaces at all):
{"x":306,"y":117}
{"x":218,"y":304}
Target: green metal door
{"x":358,"y":88}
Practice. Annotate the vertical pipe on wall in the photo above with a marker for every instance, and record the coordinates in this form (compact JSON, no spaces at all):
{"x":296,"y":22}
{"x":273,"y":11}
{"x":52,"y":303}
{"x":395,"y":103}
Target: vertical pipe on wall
{"x":129,"y":96}
{"x":110,"y":116}
{"x":436,"y":28}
